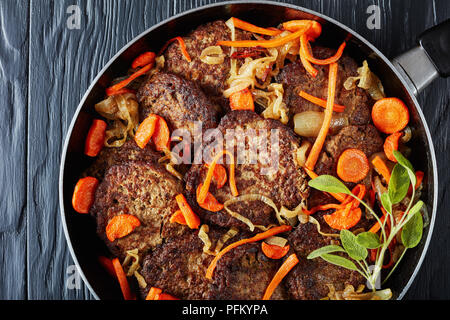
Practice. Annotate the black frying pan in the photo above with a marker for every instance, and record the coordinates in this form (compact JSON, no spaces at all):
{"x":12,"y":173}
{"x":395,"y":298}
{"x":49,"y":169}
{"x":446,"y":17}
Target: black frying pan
{"x":402,"y":78}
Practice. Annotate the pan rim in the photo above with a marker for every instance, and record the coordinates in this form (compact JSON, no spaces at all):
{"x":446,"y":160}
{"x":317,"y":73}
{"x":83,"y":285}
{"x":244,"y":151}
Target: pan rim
{"x":68,"y":134}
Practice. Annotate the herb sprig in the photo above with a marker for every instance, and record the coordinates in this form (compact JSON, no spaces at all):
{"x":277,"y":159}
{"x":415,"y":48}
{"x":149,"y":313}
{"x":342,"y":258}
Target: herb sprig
{"x":410,"y":224}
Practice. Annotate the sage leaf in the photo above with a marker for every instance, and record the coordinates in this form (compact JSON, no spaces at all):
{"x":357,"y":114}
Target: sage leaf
{"x":412,"y":231}
{"x":328,"y":183}
{"x":323,"y":250}
{"x":339,"y":261}
{"x":407,"y":165}
{"x":351,"y":246}
{"x":368,"y":240}
{"x":398,"y":184}
{"x":386,"y":202}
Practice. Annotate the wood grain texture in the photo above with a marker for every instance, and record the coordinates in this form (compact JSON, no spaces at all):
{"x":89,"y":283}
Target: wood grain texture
{"x":46,"y":68}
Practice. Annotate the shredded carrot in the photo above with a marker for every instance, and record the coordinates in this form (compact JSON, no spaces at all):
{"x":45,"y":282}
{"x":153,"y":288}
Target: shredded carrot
{"x":272,"y":43}
{"x":304,"y":48}
{"x":320,"y":102}
{"x":242,"y":100}
{"x":320,"y":140}
{"x":273,"y":251}
{"x":178,"y":217}
{"x":314,"y":28}
{"x":338,"y":196}
{"x":391,"y":144}
{"x":210,"y":203}
{"x":107,"y":265}
{"x":123,"y":282}
{"x":146,"y":130}
{"x":308,"y":66}
{"x":390,"y":115}
{"x":382,"y":168}
{"x":143,"y":59}
{"x":376,"y":226}
{"x":260,"y":236}
{"x":192,"y":220}
{"x":120,"y":226}
{"x":243,"y":25}
{"x":182,"y":47}
{"x":122,"y":91}
{"x":205,"y":187}
{"x":153,"y":293}
{"x":115,"y":88}
{"x":287,"y":266}
{"x":322,"y":207}
{"x":352,"y":165}
{"x":84,"y":194}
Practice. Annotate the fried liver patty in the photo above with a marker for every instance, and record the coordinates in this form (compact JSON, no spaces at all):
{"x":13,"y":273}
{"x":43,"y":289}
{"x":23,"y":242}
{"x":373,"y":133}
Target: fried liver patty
{"x":295,"y":78}
{"x":145,"y":190}
{"x":285,"y":184}
{"x":180,"y":102}
{"x":210,"y":77}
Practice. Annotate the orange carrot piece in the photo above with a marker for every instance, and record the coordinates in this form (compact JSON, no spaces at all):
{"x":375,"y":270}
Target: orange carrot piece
{"x":313,"y":28}
{"x":143,"y":59}
{"x":178,"y":217}
{"x":352,"y":165}
{"x":192,"y":220}
{"x":391,"y":144}
{"x":84,"y":193}
{"x":320,"y":140}
{"x":338,"y":196}
{"x":304,"y":49}
{"x":343,"y":218}
{"x":122,"y":91}
{"x":95,"y":138}
{"x":121,"y":225}
{"x":323,"y":207}
{"x":305,"y":62}
{"x":165,"y":296}
{"x":320,"y":102}
{"x":390,"y":115}
{"x":210,"y":203}
{"x":146,"y":130}
{"x":260,"y":236}
{"x":419,"y":179}
{"x":242,"y":100}
{"x":287,"y":266}
{"x":115,"y":88}
{"x":382,"y":168}
{"x":182,"y":47}
{"x":273,"y":251}
{"x":161,"y":136}
{"x":107,"y":265}
{"x":376,"y":226}
{"x":243,"y":25}
{"x":219,"y":175}
{"x":153,"y":293}
{"x":272,"y":43}
{"x":123,"y":282}
{"x":205,"y":187}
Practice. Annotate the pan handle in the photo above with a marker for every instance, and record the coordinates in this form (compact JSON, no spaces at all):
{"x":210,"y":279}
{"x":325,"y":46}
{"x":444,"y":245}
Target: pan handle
{"x":424,"y":63}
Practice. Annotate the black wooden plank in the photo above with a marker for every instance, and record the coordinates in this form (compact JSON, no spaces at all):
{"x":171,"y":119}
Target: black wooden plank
{"x":13,"y":124}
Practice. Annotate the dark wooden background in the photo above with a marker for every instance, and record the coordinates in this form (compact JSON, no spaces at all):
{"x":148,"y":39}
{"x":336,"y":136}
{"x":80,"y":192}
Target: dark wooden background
{"x":45,"y":69}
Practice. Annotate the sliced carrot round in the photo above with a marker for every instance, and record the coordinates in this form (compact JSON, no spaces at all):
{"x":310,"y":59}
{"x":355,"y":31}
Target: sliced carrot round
{"x":391,"y":144}
{"x":121,"y":226}
{"x":95,"y":138}
{"x":343,"y":218}
{"x":352,"y":165}
{"x":145,"y":130}
{"x":84,"y":194}
{"x":273,"y":251}
{"x":390,"y":115}
{"x":161,"y":137}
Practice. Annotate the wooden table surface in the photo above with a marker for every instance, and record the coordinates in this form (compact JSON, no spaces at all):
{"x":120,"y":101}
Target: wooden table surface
{"x":46,"y":67}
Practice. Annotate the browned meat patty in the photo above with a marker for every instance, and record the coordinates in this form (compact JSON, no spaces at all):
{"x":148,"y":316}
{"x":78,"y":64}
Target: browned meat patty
{"x":295,"y":78}
{"x":308,"y":280}
{"x":180,"y":102}
{"x":112,"y":156}
{"x":145,"y":190}
{"x":285,"y":184}
{"x":244,"y":274}
{"x":211,"y":77}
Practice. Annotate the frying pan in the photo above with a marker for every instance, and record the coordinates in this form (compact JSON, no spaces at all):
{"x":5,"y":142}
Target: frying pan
{"x":404,"y":77}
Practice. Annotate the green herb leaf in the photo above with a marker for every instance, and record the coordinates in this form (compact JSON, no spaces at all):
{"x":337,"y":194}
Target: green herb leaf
{"x":407,"y":165}
{"x":412,"y":231}
{"x":368,"y":240}
{"x":386,"y":202}
{"x":351,"y":246}
{"x":328,"y":183}
{"x":416,"y":208}
{"x":398,"y":184}
{"x":323,"y":250}
{"x":339,"y":261}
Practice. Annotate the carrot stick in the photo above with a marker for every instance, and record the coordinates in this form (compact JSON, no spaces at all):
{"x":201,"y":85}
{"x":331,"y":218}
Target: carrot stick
{"x":210,"y":203}
{"x":146,"y":130}
{"x":272,"y":43}
{"x":390,"y":115}
{"x":178,"y":217}
{"x":120,"y":226}
{"x":165,"y":296}
{"x":95,"y":138}
{"x":320,"y":102}
{"x":107,"y":265}
{"x":391,"y":144}
{"x":143,"y":59}
{"x":273,"y":251}
{"x":192,"y":220}
{"x":112,"y":90}
{"x":304,"y":48}
{"x":84,"y":194}
{"x":352,"y":165}
{"x":182,"y":47}
{"x":382,"y":168}
{"x":320,"y":140}
{"x":242,"y":100}
{"x":287,"y":266}
{"x":123,"y":282}
{"x":238,"y":23}
{"x":260,"y":236}
{"x":153,"y":293}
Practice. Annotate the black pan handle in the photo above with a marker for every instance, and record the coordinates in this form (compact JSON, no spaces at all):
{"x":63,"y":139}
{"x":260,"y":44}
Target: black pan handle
{"x":424,"y":63}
